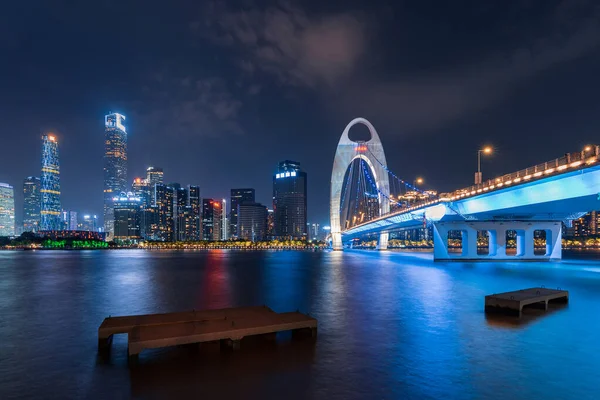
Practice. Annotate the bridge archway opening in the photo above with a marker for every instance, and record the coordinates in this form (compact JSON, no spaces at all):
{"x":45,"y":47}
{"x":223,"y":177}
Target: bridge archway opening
{"x":541,"y":242}
{"x":372,"y":162}
{"x":483,"y":242}
{"x":359,"y":133}
{"x":360,"y":201}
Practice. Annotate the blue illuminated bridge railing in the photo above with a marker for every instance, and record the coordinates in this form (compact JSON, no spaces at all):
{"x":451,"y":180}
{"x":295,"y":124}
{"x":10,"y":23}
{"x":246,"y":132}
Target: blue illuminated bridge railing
{"x":569,"y":162}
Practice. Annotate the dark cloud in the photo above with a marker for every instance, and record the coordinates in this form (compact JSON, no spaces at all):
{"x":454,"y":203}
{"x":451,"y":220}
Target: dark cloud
{"x":282,"y":40}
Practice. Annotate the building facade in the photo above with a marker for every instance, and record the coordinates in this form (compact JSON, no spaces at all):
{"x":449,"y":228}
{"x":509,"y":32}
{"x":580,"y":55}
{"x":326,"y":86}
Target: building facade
{"x":164,"y":208}
{"x":289,"y":201}
{"x":32,"y":200}
{"x":252,"y":221}
{"x":141,"y":189}
{"x":195,"y":227}
{"x":115,"y":166}
{"x":89,"y":223}
{"x":50,"y":207}
{"x":211,"y":219}
{"x":69,"y":220}
{"x":237,"y":197}
{"x":128,"y":215}
{"x":7,"y":210}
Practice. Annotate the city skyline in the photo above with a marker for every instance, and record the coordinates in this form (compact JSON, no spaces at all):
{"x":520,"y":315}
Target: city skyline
{"x":435,"y":93}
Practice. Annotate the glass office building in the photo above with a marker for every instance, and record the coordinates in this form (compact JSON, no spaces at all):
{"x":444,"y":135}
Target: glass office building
{"x":50,"y":208}
{"x":115,"y":166}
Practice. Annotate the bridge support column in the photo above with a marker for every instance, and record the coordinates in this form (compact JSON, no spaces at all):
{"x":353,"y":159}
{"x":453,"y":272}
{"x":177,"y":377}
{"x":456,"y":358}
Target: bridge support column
{"x":497,"y":231}
{"x":382,"y":244}
{"x":336,"y":241}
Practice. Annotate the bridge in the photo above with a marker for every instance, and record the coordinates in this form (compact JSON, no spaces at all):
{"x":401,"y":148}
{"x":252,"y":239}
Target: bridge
{"x":529,"y":203}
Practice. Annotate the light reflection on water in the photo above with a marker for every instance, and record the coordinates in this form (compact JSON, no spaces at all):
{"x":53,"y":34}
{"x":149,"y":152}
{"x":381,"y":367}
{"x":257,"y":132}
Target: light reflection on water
{"x":391,"y":325}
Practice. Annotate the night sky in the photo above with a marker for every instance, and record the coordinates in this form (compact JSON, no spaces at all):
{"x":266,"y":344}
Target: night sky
{"x":217,"y":93}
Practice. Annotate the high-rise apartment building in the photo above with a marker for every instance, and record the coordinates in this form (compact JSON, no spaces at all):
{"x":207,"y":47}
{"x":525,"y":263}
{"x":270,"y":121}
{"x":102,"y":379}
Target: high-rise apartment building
{"x":289,"y":201}
{"x":211,"y":219}
{"x":237,"y":197}
{"x":7,"y":210}
{"x":69,"y":220}
{"x":154,"y":175}
{"x":141,"y":189}
{"x":32,"y":200}
{"x":164,"y":207}
{"x":195,"y":224}
{"x":128,"y":215}
{"x":50,"y":208}
{"x":115,"y":166}
{"x":89,"y":223}
{"x":252,"y":221}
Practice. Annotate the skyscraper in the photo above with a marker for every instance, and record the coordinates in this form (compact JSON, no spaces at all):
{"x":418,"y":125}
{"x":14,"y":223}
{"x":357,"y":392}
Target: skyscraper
{"x":289,"y":201}
{"x":195,"y":228}
{"x":224,"y":221}
{"x":115,"y":166}
{"x":89,"y":223}
{"x":238,"y":196}
{"x":154,"y":175}
{"x":141,"y":189}
{"x":211,"y":219}
{"x":252,"y":221}
{"x":7,"y":210}
{"x":164,"y":207}
{"x":128,"y":215}
{"x":69,"y":220}
{"x":31,"y":204}
{"x":50,"y":205}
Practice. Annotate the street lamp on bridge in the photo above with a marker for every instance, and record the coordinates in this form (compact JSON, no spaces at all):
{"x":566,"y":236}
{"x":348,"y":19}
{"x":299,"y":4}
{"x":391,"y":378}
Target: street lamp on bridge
{"x":485,"y":150}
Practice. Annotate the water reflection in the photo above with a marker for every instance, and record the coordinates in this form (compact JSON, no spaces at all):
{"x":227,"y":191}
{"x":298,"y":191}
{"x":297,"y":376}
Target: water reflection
{"x":391,"y":325}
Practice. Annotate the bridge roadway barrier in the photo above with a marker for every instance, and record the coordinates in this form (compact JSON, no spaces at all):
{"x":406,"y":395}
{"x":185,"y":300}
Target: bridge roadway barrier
{"x":497,"y":230}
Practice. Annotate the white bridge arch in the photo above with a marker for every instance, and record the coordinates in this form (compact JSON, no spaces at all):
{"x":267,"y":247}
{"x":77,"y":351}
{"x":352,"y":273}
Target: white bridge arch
{"x":348,"y":151}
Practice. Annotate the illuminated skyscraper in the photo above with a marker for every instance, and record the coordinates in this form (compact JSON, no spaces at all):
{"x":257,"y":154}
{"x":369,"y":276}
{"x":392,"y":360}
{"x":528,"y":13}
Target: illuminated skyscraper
{"x":141,"y":189}
{"x":128,"y":216}
{"x":211,"y":219}
{"x":89,"y":223}
{"x":164,"y":207}
{"x":50,"y":219}
{"x":252,"y":221}
{"x":115,"y":166}
{"x":289,"y":201}
{"x":195,"y":228}
{"x":31,"y":204}
{"x":154,"y":175}
{"x":7,"y":210}
{"x":238,"y":196}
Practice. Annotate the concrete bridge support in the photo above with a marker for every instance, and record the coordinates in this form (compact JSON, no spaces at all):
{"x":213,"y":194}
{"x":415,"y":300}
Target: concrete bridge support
{"x":497,"y":232}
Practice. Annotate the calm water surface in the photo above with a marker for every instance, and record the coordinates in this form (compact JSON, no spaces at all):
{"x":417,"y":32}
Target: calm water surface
{"x":391,"y":325}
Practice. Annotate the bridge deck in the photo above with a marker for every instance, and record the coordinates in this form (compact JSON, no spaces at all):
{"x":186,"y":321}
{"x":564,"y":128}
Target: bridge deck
{"x":513,"y":302}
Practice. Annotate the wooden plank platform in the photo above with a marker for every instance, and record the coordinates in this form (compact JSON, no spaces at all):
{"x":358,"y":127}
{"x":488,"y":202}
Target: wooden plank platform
{"x":116,"y":325}
{"x":513,"y":302}
{"x":233,"y":329}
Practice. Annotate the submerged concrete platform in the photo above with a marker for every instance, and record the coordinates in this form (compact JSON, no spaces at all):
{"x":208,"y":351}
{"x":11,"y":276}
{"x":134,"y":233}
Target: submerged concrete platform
{"x":228,"y":325}
{"x":230,"y":329}
{"x":124,"y":324}
{"x":513,"y":302}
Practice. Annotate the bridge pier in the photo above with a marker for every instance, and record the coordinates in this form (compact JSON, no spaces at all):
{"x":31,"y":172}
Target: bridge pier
{"x":382,"y":243}
{"x":497,"y":233}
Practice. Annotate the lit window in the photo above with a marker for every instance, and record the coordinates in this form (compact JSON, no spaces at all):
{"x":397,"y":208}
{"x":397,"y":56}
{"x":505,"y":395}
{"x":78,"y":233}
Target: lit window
{"x":293,"y":173}
{"x":287,"y":174}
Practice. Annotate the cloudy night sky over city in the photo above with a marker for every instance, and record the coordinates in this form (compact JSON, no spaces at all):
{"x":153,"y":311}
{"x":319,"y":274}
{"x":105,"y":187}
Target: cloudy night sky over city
{"x":217,"y":93}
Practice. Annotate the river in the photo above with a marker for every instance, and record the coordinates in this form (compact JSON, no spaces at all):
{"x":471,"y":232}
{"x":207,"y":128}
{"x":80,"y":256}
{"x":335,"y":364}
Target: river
{"x":391,"y":325}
